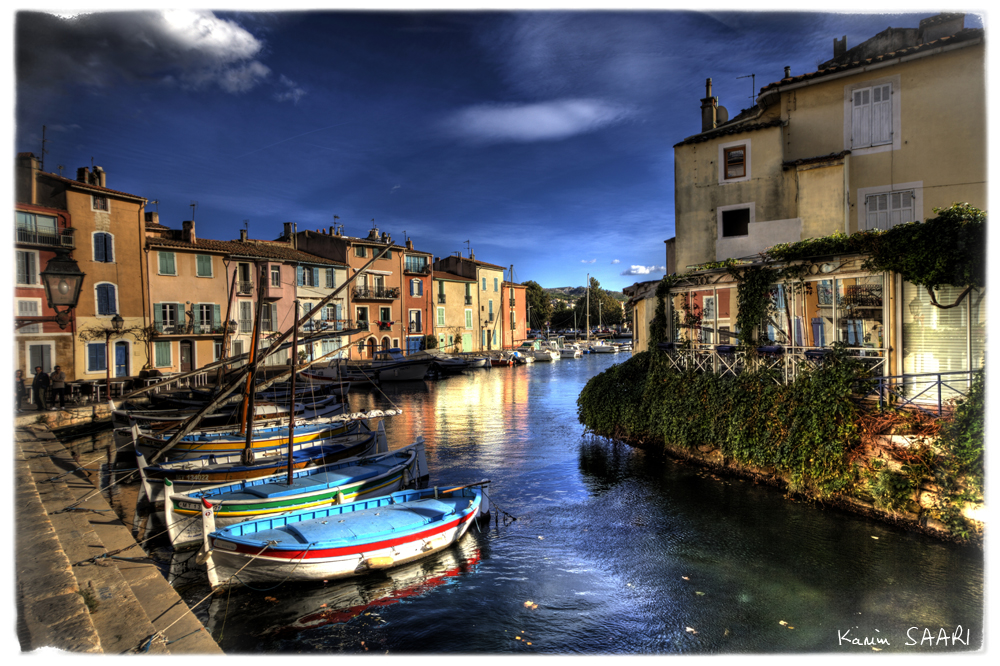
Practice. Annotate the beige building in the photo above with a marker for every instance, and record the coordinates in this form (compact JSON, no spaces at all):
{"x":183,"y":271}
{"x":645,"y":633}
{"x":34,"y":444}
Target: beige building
{"x":879,"y":135}
{"x":485,"y":299}
{"x":454,"y":314}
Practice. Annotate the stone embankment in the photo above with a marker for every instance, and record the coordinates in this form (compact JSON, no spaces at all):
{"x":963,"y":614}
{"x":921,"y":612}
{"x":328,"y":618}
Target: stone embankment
{"x":83,"y":583}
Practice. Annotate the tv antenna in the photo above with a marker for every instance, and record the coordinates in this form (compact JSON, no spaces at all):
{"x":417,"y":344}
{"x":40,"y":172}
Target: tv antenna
{"x":194,"y":205}
{"x":468,"y":247}
{"x":753,"y":84}
{"x":41,"y":162}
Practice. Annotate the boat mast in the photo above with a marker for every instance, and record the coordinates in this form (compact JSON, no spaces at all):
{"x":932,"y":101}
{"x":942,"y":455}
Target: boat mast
{"x":246,"y":425}
{"x":291,"y":399}
{"x":588,"y":308}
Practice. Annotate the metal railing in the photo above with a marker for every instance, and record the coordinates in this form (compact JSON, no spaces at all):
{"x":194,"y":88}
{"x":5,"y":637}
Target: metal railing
{"x":35,"y":238}
{"x":468,"y":300}
{"x":441,"y":299}
{"x":376,"y":292}
{"x":415,"y":328}
{"x":928,"y":395}
{"x":420,"y":269}
{"x":244,"y":286}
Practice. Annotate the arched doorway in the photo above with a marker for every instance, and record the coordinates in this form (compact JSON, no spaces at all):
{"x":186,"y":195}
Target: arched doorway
{"x":385,"y":344}
{"x":372,"y":347}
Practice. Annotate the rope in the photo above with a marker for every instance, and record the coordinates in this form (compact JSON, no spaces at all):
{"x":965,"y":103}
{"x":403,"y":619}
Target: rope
{"x":281,"y":582}
{"x":160,"y":635}
{"x":54,"y":478}
{"x":88,"y":496}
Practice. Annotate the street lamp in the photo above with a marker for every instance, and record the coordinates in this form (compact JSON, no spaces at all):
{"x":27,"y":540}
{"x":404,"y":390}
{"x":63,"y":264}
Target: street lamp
{"x":62,"y":279}
{"x":117,"y":323}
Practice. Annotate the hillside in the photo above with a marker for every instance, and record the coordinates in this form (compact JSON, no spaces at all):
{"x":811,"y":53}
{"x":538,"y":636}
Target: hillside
{"x":571,"y":294}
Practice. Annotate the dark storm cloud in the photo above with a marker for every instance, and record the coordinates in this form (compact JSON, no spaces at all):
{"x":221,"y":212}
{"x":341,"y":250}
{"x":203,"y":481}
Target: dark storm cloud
{"x":192,"y":49}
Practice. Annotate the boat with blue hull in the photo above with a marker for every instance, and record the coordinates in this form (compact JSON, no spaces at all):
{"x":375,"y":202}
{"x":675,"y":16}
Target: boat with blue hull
{"x":311,"y":488}
{"x":343,"y":540}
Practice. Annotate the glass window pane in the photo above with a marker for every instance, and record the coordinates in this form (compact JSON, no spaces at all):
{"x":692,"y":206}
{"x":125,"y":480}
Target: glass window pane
{"x":814,"y":320}
{"x":860,"y":312}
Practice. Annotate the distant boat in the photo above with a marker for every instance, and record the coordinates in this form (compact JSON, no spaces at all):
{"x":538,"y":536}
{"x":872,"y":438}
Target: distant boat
{"x":390,"y":365}
{"x":343,"y":540}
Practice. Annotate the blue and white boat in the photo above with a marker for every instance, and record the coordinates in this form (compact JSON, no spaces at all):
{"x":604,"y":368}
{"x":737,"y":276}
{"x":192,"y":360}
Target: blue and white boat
{"x":343,"y":540}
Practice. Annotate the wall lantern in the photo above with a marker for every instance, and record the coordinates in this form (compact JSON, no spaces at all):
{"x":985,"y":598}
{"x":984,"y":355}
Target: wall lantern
{"x":62,"y":279}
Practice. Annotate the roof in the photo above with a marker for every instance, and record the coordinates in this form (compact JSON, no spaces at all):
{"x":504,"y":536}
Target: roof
{"x":816,"y":160}
{"x":734,"y":126}
{"x":250,"y":248}
{"x":445,"y":275}
{"x":962,"y":36}
{"x":87,"y":186}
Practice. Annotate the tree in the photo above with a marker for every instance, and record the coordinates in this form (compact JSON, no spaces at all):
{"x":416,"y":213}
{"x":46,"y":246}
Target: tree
{"x":604,"y":309}
{"x":538,"y":303}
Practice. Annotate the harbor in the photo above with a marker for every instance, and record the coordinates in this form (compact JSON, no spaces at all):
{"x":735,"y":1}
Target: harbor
{"x":594,"y":547}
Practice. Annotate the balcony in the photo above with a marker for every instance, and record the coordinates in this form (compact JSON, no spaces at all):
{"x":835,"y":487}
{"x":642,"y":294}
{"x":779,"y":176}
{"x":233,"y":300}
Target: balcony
{"x":468,"y":300}
{"x":415,"y":328}
{"x":189,"y":329}
{"x":417,"y":269}
{"x":244,"y":286}
{"x":384,"y":325}
{"x":30,"y":237}
{"x":376,"y":293}
{"x":513,"y":302}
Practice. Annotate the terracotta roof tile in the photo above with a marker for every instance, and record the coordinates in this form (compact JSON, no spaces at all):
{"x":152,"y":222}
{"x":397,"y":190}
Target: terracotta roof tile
{"x":88,"y":186}
{"x":727,"y":129}
{"x":445,"y":275}
{"x":253,"y":248}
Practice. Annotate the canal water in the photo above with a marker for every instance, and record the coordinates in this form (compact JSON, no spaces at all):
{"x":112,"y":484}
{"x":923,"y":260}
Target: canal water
{"x":613,"y":550}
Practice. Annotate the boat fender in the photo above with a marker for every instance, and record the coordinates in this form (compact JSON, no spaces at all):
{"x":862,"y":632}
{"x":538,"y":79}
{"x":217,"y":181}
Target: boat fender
{"x":379,"y":562}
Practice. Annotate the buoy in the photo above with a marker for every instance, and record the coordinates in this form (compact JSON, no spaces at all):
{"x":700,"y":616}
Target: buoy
{"x":379,"y":562}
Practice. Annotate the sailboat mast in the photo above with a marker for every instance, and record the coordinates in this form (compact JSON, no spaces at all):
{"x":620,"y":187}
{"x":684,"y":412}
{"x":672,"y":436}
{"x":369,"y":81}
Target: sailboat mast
{"x":588,"y":308}
{"x":291,"y":400}
{"x":246,"y":426}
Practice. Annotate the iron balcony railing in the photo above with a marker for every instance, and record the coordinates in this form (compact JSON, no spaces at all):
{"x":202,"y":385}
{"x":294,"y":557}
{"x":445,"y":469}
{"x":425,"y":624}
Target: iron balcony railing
{"x":419,"y":269}
{"x":244,"y":286}
{"x":415,"y":328}
{"x":441,"y":299}
{"x":29,"y":237}
{"x":926,"y":391}
{"x":376,"y":293}
{"x":468,"y":300}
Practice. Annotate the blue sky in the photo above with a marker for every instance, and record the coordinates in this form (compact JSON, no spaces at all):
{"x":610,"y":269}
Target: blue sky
{"x":543,"y":138}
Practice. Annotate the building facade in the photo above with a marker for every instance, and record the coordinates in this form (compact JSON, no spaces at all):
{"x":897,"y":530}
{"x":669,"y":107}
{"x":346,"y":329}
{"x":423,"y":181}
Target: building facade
{"x":485,"y":297}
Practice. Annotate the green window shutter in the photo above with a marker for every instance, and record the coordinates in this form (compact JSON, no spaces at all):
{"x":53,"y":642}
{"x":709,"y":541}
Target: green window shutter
{"x":216,"y":316}
{"x":329,"y":278}
{"x":204,"y":265}
{"x":158,"y":317}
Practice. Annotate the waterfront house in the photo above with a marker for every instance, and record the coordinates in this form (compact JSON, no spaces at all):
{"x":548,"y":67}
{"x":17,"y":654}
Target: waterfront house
{"x":486,"y":296}
{"x":514,"y":328}
{"x":417,"y":296}
{"x":454,"y":315}
{"x":879,"y":135}
{"x":104,"y":227}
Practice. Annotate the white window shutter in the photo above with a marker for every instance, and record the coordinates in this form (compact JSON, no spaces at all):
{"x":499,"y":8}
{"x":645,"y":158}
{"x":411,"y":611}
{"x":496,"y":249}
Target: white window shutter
{"x":881,"y":114}
{"x":861,"y":113}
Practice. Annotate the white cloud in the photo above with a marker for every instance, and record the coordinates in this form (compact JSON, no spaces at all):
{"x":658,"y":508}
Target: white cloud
{"x":616,"y":261}
{"x":588,"y":261}
{"x":290,"y":91}
{"x":644,"y":270}
{"x":544,"y":121}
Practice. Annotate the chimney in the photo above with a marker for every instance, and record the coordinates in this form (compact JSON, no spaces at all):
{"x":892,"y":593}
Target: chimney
{"x":409,"y":243}
{"x":708,"y":107}
{"x":82,"y":174}
{"x":243,"y":235}
{"x":188,"y":231}
{"x":26,"y":182}
{"x":332,"y":229}
{"x":288,"y":230}
{"x":839,"y":46}
{"x":472,"y":254}
{"x":939,"y":26}
{"x":788,"y":72}
{"x":152,"y":217}
{"x":100,"y":177}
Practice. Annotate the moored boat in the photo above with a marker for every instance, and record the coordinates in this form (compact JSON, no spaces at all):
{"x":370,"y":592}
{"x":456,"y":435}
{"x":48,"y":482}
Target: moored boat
{"x":342,"y":540}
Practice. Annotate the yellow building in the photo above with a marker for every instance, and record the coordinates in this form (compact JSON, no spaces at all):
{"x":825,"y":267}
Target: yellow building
{"x":453,"y":318}
{"x":879,"y":135}
{"x":485,"y":298}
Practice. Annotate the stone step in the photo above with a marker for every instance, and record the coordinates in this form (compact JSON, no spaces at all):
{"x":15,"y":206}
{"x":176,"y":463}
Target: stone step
{"x":128,"y":582}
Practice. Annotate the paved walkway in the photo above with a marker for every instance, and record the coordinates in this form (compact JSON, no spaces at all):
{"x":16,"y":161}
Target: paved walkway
{"x":68,"y":600}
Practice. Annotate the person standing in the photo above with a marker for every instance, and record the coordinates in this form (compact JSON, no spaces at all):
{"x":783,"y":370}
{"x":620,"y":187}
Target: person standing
{"x":58,"y":379}
{"x":19,"y":390}
{"x":39,"y":385}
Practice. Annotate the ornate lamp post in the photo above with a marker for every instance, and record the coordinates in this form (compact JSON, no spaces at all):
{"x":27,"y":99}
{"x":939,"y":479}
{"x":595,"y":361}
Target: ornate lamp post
{"x":62,"y":279}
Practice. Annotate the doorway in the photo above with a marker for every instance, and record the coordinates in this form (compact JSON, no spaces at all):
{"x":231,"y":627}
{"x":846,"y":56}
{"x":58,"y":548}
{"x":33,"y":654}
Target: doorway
{"x":187,"y":354}
{"x":121,"y":359}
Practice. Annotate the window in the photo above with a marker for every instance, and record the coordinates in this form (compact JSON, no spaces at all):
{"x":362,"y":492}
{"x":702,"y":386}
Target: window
{"x":103,"y":247}
{"x":359,"y":251}
{"x":27,"y":267}
{"x":416,"y":287}
{"x":99,"y":202}
{"x":167,"y":264}
{"x":871,"y":116}
{"x":468,"y":318}
{"x":165,"y":317}
{"x":484,"y":284}
{"x":161,"y":353}
{"x":384,"y":315}
{"x":209,"y":317}
{"x":107,"y":299}
{"x":246,"y":316}
{"x":883,"y":211}
{"x":32,"y":225}
{"x":40,"y":354}
{"x":275,"y":276}
{"x":491,"y":309}
{"x":267,"y":316}
{"x":362,"y":316}
{"x":415,"y":264}
{"x":440,"y":316}
{"x":204,"y":265}
{"x":468,"y":294}
{"x":496,"y":284}
{"x":97,"y":357}
{"x":734,"y":161}
{"x":736,"y":222}
{"x":29,"y":307}
{"x":387,"y":255}
{"x":307,"y":277}
{"x":330,"y":280}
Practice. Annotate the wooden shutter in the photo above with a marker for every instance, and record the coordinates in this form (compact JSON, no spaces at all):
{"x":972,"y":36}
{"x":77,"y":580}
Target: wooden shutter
{"x":216,"y":316}
{"x":158,"y":317}
{"x":881,"y":115}
{"x":204,"y":265}
{"x":329,"y":278}
{"x":99,"y":247}
{"x":861,"y":118}
{"x":299,"y":276}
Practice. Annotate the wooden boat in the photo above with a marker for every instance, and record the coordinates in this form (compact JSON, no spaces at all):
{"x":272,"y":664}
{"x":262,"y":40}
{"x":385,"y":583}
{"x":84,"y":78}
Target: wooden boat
{"x":390,"y":365}
{"x":227,"y":416}
{"x":189,"y":475}
{"x":342,"y":540}
{"x":340,"y":371}
{"x":477,"y":361}
{"x":341,"y":482}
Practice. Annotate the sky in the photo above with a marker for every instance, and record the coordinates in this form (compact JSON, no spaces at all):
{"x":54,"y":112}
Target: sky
{"x":539,"y":139}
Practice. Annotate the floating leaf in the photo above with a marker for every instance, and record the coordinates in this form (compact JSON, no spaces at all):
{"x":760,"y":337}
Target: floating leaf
{"x":528,"y":642}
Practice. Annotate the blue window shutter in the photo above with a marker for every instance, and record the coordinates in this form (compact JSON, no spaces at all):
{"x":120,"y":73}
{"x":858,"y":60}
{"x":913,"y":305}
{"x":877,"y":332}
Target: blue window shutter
{"x":329,"y":278}
{"x":315,"y":277}
{"x":109,"y":248}
{"x":99,"y":247}
{"x":298,"y":276}
{"x":102,"y":299}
